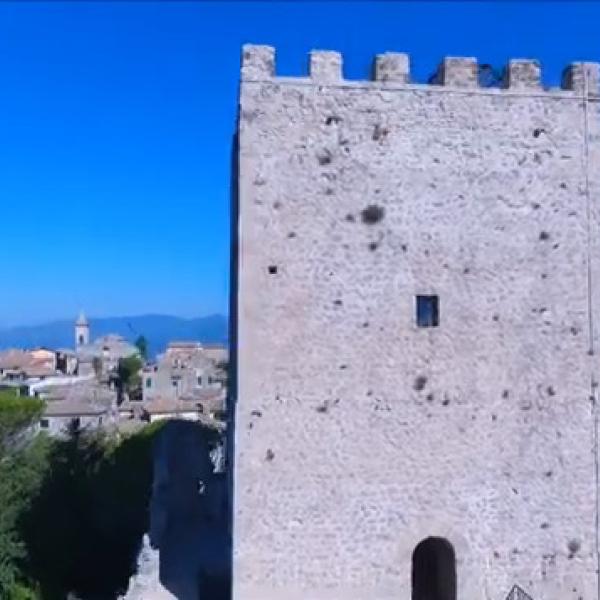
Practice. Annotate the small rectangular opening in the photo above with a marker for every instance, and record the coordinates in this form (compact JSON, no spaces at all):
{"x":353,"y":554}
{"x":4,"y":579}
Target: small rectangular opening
{"x":428,"y":311}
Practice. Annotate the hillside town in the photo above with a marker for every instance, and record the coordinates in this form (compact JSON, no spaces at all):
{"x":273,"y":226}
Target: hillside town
{"x":108,"y":383}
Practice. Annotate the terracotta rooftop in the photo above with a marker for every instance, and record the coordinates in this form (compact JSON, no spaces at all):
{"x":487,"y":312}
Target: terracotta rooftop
{"x":68,"y":408}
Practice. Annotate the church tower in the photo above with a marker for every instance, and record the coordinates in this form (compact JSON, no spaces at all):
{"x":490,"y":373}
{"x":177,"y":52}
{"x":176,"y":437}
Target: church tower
{"x":82,"y":331}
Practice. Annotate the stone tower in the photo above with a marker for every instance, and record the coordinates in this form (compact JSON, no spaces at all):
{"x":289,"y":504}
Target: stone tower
{"x":416,"y":320}
{"x":82,"y":331}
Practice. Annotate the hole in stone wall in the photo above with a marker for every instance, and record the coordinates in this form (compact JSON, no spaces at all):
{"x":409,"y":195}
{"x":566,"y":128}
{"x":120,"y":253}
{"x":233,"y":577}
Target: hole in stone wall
{"x":380,"y":132}
{"x":419,"y":383}
{"x":324,"y":157}
{"x":434,"y":570}
{"x":428,"y":311}
{"x":333,"y":120}
{"x":372,"y":214}
{"x":573,"y":547}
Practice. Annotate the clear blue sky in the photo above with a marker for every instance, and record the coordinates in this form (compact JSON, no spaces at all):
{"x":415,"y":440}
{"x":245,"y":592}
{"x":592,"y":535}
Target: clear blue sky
{"x":116,"y":122}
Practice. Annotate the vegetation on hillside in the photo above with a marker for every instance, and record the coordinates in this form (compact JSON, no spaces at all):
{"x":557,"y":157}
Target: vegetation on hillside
{"x":22,"y":467}
{"x":21,"y":477}
{"x":72,"y":511}
{"x":17,"y":414}
{"x":130,"y":381}
{"x":142,"y":345}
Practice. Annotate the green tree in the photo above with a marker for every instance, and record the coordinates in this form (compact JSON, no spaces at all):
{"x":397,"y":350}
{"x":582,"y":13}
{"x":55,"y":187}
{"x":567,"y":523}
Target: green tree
{"x":21,"y":476}
{"x":91,"y":510}
{"x":23,"y":464}
{"x":69,"y":505}
{"x":128,"y":370}
{"x":17,"y":414}
{"x":142,"y":345}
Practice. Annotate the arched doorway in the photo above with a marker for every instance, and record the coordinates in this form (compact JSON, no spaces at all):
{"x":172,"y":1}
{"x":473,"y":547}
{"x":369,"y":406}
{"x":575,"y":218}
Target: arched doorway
{"x":434,"y":570}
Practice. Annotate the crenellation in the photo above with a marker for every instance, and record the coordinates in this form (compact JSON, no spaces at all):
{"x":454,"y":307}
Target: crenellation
{"x":258,"y":62}
{"x":325,"y":66}
{"x":458,"y":72}
{"x":523,"y":74}
{"x":393,"y":67}
{"x":574,"y":78}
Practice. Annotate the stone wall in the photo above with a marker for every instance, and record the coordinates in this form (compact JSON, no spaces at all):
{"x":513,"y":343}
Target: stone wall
{"x":184,"y":555}
{"x":359,"y":434}
{"x":145,"y":584}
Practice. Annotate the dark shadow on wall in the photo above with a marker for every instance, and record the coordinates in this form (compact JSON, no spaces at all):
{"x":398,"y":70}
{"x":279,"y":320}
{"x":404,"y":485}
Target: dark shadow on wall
{"x":84,"y":528}
{"x":233,"y":340}
{"x":189,"y":513}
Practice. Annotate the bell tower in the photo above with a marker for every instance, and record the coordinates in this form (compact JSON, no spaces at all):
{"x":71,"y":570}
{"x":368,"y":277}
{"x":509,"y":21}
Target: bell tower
{"x":82,"y":331}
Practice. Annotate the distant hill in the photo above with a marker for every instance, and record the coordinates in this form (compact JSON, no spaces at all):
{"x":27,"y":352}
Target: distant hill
{"x":159,"y":330}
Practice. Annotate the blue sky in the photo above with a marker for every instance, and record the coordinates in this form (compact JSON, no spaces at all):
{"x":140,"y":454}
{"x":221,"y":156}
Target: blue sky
{"x":116,"y":122}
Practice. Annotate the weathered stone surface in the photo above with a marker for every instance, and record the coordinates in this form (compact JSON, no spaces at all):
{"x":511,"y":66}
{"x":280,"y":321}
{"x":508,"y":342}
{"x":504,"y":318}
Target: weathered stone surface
{"x":393,"y":67}
{"x":145,"y":584}
{"x":325,"y":67}
{"x":458,"y":72}
{"x":524,"y":74}
{"x":258,"y":62}
{"x":343,"y":464}
{"x":582,"y":77}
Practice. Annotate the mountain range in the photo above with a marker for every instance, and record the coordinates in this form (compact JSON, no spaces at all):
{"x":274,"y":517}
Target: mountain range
{"x":158,"y":330}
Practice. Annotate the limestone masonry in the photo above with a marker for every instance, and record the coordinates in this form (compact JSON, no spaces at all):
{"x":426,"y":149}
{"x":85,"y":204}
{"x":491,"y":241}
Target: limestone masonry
{"x":417,"y":333}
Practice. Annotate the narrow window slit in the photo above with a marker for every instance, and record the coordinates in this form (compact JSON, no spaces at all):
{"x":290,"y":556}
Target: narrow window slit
{"x":428,"y":311}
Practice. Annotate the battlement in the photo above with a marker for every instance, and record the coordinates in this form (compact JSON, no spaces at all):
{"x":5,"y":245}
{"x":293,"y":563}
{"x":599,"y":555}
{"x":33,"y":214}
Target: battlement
{"x":392,"y":69}
{"x":416,"y":267}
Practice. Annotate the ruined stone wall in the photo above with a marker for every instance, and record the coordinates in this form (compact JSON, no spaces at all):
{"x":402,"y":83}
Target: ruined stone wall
{"x":185,"y":555}
{"x":145,"y":583}
{"x":359,"y":434}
